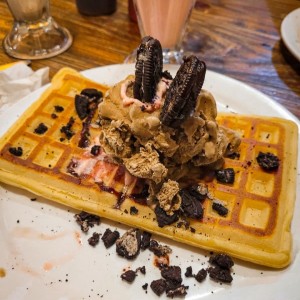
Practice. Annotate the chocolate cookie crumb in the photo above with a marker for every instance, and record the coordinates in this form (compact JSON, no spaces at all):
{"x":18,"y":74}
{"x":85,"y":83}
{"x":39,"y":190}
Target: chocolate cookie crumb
{"x":268,"y":161}
{"x":145,"y":286}
{"x":158,"y":286}
{"x":94,"y":239}
{"x":86,"y":220}
{"x":133,"y":210}
{"x":92,"y":94}
{"x":222,"y":260}
{"x":141,"y":269}
{"x":109,"y":237}
{"x":16,"y":151}
{"x":219,"y":274}
{"x":190,"y":203}
{"x":177,"y":292}
{"x":66,"y":129}
{"x":129,"y":276}
{"x":95,"y":150}
{"x":225,"y":175}
{"x":129,"y":244}
{"x":58,"y":108}
{"x":189,"y":272}
{"x":145,"y":242}
{"x":82,"y":106}
{"x":41,"y":129}
{"x":163,"y":219}
{"x":234,"y":155}
{"x":220,"y":209}
{"x":159,"y":250}
{"x":201,"y":275}
{"x":172,"y":273}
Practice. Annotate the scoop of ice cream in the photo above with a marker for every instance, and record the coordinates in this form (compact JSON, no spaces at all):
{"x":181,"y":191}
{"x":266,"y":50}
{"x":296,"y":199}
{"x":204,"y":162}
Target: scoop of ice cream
{"x":132,"y":133}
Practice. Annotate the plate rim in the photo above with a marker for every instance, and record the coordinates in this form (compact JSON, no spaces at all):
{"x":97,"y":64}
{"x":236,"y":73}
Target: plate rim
{"x":286,"y":37}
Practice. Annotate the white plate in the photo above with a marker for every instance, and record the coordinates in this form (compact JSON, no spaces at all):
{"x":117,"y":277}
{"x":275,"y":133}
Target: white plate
{"x":45,"y":256}
{"x":290,"y":32}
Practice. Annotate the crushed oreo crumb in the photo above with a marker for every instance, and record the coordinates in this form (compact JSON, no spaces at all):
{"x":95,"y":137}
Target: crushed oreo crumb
{"x":129,"y":244}
{"x":95,"y":150}
{"x":141,"y":269}
{"x":201,"y":275}
{"x":145,"y":241}
{"x":158,"y":286}
{"x":158,"y":249}
{"x":268,"y":161}
{"x":66,"y":129}
{"x":234,"y":155}
{"x":94,"y":239}
{"x":172,"y":274}
{"x":222,"y":260}
{"x":177,"y":291}
{"x":189,"y":272}
{"x":225,"y":175}
{"x":86,"y":220}
{"x":16,"y":151}
{"x":129,"y":276}
{"x":163,"y":219}
{"x":190,"y":203}
{"x":220,"y":209}
{"x":92,"y":94}
{"x":145,"y":286}
{"x":82,"y":106}
{"x":133,"y":210}
{"x":41,"y":129}
{"x":109,"y":237}
{"x":58,"y":108}
{"x":219,"y":274}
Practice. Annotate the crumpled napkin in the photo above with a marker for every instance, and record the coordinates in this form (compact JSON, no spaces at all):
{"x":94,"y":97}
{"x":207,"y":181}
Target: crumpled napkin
{"x":18,"y":80}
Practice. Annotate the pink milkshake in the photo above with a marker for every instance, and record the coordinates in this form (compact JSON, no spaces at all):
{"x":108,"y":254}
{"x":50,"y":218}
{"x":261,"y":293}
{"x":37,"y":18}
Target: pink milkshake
{"x":164,"y":20}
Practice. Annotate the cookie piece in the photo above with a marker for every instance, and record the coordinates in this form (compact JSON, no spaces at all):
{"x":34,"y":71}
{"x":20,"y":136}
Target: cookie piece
{"x":182,"y":95}
{"x":268,"y":161}
{"x":110,"y":237}
{"x":129,"y":244}
{"x":148,"y":69}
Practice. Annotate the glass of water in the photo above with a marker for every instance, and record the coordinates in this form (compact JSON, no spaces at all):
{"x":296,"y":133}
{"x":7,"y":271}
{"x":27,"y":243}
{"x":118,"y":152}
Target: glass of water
{"x":34,"y":34}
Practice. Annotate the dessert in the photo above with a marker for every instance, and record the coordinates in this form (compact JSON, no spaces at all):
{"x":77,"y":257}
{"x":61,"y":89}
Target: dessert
{"x":91,"y":161}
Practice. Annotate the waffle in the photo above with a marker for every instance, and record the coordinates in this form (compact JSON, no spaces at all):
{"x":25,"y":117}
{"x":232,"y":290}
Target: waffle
{"x":260,"y":204}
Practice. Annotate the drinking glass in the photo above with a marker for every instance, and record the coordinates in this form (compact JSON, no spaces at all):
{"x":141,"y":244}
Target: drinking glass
{"x":34,"y":34}
{"x":166,"y":21}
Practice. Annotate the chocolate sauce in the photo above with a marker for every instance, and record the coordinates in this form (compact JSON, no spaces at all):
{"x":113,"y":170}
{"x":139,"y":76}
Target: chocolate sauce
{"x":138,"y":198}
{"x":84,"y":141}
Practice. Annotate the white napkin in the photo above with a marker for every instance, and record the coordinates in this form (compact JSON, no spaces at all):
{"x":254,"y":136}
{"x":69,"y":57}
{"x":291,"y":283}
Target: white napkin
{"x":19,"y":80}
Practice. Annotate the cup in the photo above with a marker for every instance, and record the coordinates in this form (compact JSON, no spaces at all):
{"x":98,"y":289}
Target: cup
{"x":96,"y":7}
{"x":166,"y":21}
{"x":34,"y":34}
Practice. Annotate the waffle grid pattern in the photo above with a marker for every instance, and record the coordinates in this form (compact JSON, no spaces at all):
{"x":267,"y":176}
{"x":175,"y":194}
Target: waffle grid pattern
{"x":252,"y":199}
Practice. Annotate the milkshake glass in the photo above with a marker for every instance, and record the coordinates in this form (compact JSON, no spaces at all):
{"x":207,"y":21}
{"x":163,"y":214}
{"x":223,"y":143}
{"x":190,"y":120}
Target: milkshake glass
{"x":34,"y":35}
{"x":166,"y":21}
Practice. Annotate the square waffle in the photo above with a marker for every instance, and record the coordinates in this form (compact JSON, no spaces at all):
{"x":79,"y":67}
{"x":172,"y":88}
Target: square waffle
{"x":260,"y":204}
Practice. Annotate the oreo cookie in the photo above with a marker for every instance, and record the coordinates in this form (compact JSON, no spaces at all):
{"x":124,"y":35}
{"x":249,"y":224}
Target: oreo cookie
{"x":182,"y":95}
{"x":148,"y":69}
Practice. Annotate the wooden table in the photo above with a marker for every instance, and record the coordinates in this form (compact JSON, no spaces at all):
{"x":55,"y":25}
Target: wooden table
{"x":240,"y":39}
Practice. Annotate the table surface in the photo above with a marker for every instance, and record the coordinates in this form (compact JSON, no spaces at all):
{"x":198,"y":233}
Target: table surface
{"x":240,"y":39}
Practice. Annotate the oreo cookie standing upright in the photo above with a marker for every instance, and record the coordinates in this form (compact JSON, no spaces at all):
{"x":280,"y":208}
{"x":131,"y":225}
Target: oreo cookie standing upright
{"x":148,"y":69}
{"x":182,"y":95}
